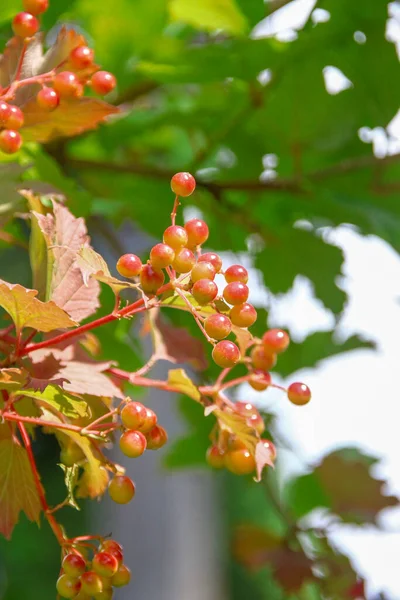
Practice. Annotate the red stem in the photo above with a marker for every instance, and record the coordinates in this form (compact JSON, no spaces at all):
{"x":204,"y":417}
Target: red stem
{"x":7,"y":416}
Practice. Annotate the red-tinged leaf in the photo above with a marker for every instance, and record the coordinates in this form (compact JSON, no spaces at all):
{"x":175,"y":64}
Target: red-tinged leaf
{"x":53,"y":397}
{"x":27,"y":311}
{"x":256,"y":548}
{"x":181,"y":346}
{"x":67,"y":40}
{"x":338,"y":578}
{"x":30,"y":64}
{"x":65,"y":235}
{"x":181,"y":382}
{"x":17,"y":487}
{"x":12,"y":379}
{"x":243,"y":338}
{"x":93,"y":265}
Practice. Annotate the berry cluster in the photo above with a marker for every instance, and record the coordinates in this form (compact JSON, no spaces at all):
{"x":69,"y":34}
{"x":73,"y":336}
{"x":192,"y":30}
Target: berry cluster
{"x":65,"y":82}
{"x":84,"y":579}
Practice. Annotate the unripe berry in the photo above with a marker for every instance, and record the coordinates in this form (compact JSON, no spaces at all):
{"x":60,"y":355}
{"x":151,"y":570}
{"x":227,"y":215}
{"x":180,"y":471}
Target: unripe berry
{"x":81,"y":57}
{"x":261,"y":359}
{"x":67,"y":85}
{"x":236,"y":273}
{"x":183,"y":184}
{"x":91,"y":583}
{"x":106,"y":594}
{"x":82,"y":596}
{"x":175,"y":237}
{"x":133,"y":415}
{"x":48,"y":99}
{"x":215,"y":457}
{"x":202,"y":270}
{"x":103,"y":82}
{"x":299,"y":393}
{"x":218,"y":326}
{"x":149,"y":422}
{"x":197,"y":231}
{"x":68,"y":587}
{"x":151,"y":279}
{"x":122,"y":577}
{"x":256,"y":421}
{"x":74,"y":565}
{"x":10,"y":141}
{"x":25,"y":25}
{"x":183,"y":261}
{"x":105,"y":564}
{"x":212,"y":258}
{"x":240,"y":462}
{"x":15,"y":119}
{"x":35,"y":7}
{"x":243,"y":315}
{"x":161,"y":256}
{"x":71,"y":454}
{"x":129,"y":265}
{"x":204,"y":291}
{"x":247,"y":409}
{"x":132,"y":443}
{"x":121,"y":489}
{"x":226,"y":354}
{"x":276,"y":340}
{"x":5,"y":113}
{"x":235,"y":443}
{"x":108,"y":545}
{"x":117,"y":553}
{"x":260,"y":380}
{"x":156,"y":438}
{"x":236,"y":293}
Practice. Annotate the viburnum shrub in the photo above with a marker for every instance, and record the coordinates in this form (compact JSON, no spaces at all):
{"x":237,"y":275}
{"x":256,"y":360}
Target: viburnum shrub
{"x":49,"y":374}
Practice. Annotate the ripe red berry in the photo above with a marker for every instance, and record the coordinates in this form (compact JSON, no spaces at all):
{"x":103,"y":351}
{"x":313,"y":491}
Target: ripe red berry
{"x":245,"y":408}
{"x":271,"y":447}
{"x":276,"y":340}
{"x":212,"y":258}
{"x":215,"y":457}
{"x":91,"y":583}
{"x":103,"y":82}
{"x":257,"y":422}
{"x":132,"y":443}
{"x":16,"y":118}
{"x":197,"y":231}
{"x":35,"y":7}
{"x":218,"y":326}
{"x":74,"y":565}
{"x":240,"y":462}
{"x":105,"y":564}
{"x":151,"y":279}
{"x":156,"y":438}
{"x":260,"y":380}
{"x":108,"y":545}
{"x":183,"y":184}
{"x":68,"y":587}
{"x":133,"y":415}
{"x":5,"y":113}
{"x":48,"y":99}
{"x":243,"y":315}
{"x":67,"y":85}
{"x":204,"y":291}
{"x":129,"y":265}
{"x":10,"y":141}
{"x":121,"y":489}
{"x":261,"y":359}
{"x":122,"y":577}
{"x":236,"y":292}
{"x":236,"y":273}
{"x":202,"y":270}
{"x":149,"y":422}
{"x":226,"y":354}
{"x":25,"y":25}
{"x":299,"y":393}
{"x":183,"y":261}
{"x":81,"y":57}
{"x":117,"y":552}
{"x":161,"y":256}
{"x":175,"y":237}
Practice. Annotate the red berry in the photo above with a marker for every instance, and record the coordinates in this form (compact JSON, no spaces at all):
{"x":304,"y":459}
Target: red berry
{"x":261,"y":359}
{"x":81,"y":57}
{"x":117,"y":552}
{"x":271,"y":447}
{"x":25,"y":25}
{"x":103,"y":82}
{"x":67,"y":85}
{"x":175,"y":237}
{"x":257,"y":422}
{"x":260,"y":380}
{"x":236,"y":273}
{"x":183,"y":184}
{"x":91,"y":583}
{"x":68,"y":587}
{"x":74,"y":565}
{"x":129,"y":265}
{"x":246,"y":408}
{"x":48,"y":99}
{"x":276,"y":340}
{"x":240,"y":462}
{"x":122,"y":577}
{"x":133,"y":415}
{"x":161,"y":256}
{"x":121,"y":489}
{"x":149,"y":422}
{"x":243,"y":315}
{"x":212,"y":258}
{"x":151,"y":279}
{"x":202,"y":270}
{"x":226,"y":354}
{"x":215,"y":457}
{"x":299,"y":393}
{"x":156,"y":438}
{"x":16,"y":118}
{"x":197,"y":231}
{"x":204,"y":291}
{"x":218,"y":326}
{"x":183,"y":261}
{"x":236,"y":293}
{"x":35,"y":7}
{"x":5,"y":113}
{"x":108,"y":545}
{"x":105,"y":564}
{"x":10,"y":141}
{"x":132,"y":443}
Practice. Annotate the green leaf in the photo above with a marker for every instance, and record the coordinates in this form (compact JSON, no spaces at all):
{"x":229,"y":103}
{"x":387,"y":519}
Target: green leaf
{"x":181,"y":382}
{"x":9,"y":10}
{"x":210,"y":15}
{"x":55,"y":397}
{"x":71,"y":475}
{"x":37,"y":249}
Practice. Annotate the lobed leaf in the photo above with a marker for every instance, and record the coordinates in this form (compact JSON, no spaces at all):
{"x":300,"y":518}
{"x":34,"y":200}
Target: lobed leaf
{"x":53,"y":397}
{"x":93,"y":265}
{"x":179,"y":379}
{"x":12,"y":379}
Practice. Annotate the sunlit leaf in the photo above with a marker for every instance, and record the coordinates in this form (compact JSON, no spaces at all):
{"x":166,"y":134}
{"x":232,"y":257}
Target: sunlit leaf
{"x":180,"y":381}
{"x":54,"y":397}
{"x":93,"y":265}
{"x":12,"y":379}
{"x":209,"y":14}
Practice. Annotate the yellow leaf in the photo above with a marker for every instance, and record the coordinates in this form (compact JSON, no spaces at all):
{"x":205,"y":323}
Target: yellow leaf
{"x":210,"y":15}
{"x":182,"y":383}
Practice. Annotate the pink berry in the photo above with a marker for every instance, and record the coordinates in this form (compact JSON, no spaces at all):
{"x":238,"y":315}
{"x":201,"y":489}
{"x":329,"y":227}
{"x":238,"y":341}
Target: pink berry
{"x":25,"y":25}
{"x":5,"y":113}
{"x":35,"y":7}
{"x":151,"y":279}
{"x":261,"y":359}
{"x":299,"y":393}
{"x":132,"y":443}
{"x":129,"y":265}
{"x":81,"y":57}
{"x":260,"y":380}
{"x":197,"y":231}
{"x":236,"y":292}
{"x":10,"y":141}
{"x":243,"y":315}
{"x":236,"y":273}
{"x":48,"y":99}
{"x":212,"y":258}
{"x":202,"y":270}
{"x":156,"y":438}
{"x":175,"y":237}
{"x":183,"y":184}
{"x":276,"y":340}
{"x":161,"y":256}
{"x":103,"y":82}
{"x":67,"y":85}
{"x":204,"y":291}
{"x":183,"y":261}
{"x":218,"y":326}
{"x":16,"y":118}
{"x":226,"y":354}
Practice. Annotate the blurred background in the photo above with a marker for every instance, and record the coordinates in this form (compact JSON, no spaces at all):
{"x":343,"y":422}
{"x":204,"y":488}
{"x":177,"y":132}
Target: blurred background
{"x":286,"y":112}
